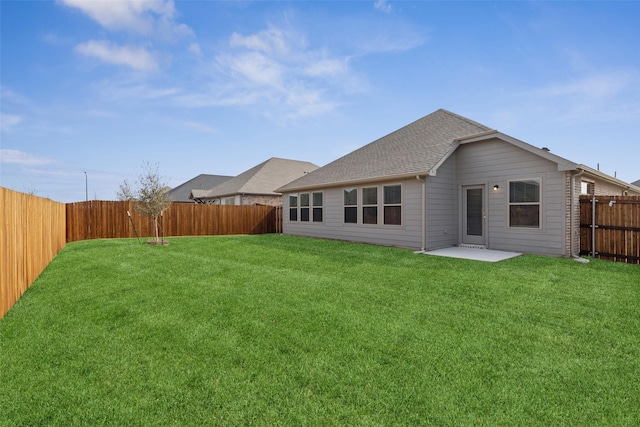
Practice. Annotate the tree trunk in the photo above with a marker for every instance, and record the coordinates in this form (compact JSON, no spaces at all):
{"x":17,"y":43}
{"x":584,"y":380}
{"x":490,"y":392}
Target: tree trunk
{"x":155,"y":226}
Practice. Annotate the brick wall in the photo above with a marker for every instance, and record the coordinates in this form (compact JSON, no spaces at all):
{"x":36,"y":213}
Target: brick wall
{"x":249,"y":199}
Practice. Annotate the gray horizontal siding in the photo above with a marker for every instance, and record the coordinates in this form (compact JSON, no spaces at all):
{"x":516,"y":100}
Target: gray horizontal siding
{"x":333,"y":227}
{"x":442,"y":207}
{"x":497,"y":162}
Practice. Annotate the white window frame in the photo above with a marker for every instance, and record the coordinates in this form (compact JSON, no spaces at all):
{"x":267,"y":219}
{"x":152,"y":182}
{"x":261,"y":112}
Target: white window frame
{"x":538,"y":203}
{"x":314,"y":206}
{"x":379,"y":205}
{"x":362,"y":206}
{"x":302,"y":207}
{"x":384,"y":205}
{"x":310,"y":206}
{"x":353,"y":206}
{"x":293,"y":208}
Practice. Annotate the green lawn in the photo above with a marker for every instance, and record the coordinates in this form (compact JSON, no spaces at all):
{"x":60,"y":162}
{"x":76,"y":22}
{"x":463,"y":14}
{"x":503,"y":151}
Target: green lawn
{"x":278,"y":330}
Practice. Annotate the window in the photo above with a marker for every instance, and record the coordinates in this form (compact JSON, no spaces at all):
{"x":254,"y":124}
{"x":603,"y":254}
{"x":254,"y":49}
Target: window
{"x":370,"y":205}
{"x":392,"y":204}
{"x":304,"y":207}
{"x":317,"y":207}
{"x":293,"y":208}
{"x":587,"y":188}
{"x":351,"y":206}
{"x":230,"y":201}
{"x":524,"y":203}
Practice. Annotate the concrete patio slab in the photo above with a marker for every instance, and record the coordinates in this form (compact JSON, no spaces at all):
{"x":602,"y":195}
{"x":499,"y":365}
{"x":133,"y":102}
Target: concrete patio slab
{"x":488,"y":255}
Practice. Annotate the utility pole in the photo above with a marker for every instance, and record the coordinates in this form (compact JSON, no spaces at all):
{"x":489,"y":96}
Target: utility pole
{"x":86,"y":187}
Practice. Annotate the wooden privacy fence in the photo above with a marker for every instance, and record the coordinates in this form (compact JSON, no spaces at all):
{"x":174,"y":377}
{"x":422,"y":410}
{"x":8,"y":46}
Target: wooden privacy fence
{"x":610,"y":227}
{"x":32,"y":232}
{"x":104,"y":219}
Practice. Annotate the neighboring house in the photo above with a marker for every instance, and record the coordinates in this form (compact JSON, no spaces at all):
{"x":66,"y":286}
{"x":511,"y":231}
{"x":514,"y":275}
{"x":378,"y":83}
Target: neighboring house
{"x":181,"y":193}
{"x":442,"y":181}
{"x":257,"y":185}
{"x":597,"y":183}
{"x":636,"y":183}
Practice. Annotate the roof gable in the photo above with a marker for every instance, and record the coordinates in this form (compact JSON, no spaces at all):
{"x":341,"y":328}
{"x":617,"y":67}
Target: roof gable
{"x":413,"y":149}
{"x":182,"y":192}
{"x":563,"y":164}
{"x":263,"y":178}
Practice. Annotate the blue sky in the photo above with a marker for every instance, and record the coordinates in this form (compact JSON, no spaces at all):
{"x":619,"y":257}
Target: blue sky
{"x":218,"y":87}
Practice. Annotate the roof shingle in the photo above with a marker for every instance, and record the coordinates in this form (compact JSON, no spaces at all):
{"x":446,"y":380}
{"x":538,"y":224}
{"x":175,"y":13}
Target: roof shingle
{"x":264,"y":178}
{"x":182,"y":192}
{"x":415,"y":148}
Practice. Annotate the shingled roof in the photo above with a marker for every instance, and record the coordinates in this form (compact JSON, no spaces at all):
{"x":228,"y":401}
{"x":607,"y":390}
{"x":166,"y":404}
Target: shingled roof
{"x":182,"y":192}
{"x":262,"y":179}
{"x":414,"y":149}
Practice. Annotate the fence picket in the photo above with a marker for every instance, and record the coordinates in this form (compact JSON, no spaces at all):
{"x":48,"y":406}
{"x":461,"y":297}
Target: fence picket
{"x":32,"y":232}
{"x":107,"y":219}
{"x":617,"y":232}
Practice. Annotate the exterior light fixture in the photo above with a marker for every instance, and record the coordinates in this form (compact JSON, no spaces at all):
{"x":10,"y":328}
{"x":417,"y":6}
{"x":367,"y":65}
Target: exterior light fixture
{"x":496,"y":187}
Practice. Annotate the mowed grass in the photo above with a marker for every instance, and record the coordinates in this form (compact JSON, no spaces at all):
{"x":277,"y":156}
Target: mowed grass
{"x":279,"y":330}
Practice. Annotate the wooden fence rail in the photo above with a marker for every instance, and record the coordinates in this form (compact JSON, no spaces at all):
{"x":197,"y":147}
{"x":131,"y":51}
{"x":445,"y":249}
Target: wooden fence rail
{"x":610,"y":227}
{"x":32,"y":232}
{"x":104,"y":219}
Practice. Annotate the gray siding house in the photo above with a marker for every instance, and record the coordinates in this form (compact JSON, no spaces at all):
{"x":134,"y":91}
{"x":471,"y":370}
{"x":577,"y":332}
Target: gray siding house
{"x":443,"y":181}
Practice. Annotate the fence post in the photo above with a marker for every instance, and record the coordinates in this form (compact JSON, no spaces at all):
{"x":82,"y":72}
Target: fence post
{"x":593,"y":226}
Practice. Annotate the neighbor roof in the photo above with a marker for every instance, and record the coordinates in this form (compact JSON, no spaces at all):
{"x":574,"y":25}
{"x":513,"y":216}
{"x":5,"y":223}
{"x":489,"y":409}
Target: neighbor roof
{"x":262,"y":179}
{"x":634,"y":186}
{"x":414,"y":149}
{"x":182,"y":192}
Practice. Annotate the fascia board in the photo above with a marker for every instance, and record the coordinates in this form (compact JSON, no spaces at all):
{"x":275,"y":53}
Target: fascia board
{"x":593,"y":173}
{"x":434,"y":170}
{"x":357,"y":182}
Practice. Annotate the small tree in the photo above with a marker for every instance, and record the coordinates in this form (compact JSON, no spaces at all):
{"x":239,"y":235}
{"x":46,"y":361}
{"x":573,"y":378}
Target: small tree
{"x":149,"y":197}
{"x":125,"y":193}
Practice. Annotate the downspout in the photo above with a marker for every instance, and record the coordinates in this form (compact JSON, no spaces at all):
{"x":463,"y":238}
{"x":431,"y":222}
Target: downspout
{"x":574,"y":255}
{"x":424,"y":213}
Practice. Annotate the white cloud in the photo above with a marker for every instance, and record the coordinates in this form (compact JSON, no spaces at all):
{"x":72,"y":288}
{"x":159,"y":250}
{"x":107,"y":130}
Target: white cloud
{"x":255,"y":68}
{"x":308,"y":102}
{"x":382,"y":5}
{"x":100,"y":113}
{"x":195,"y":49}
{"x":54,"y":39}
{"x":268,"y":41}
{"x":22,"y":158}
{"x":131,"y":91}
{"x":586,"y":101}
{"x":143,"y":17}
{"x":134,"y":57}
{"x":276,"y":71}
{"x":595,"y":86}
{"x":8,"y":121}
{"x":7,"y":95}
{"x":328,"y":67}
{"x":232,"y":97}
{"x":605,"y":96}
{"x":199,"y":127}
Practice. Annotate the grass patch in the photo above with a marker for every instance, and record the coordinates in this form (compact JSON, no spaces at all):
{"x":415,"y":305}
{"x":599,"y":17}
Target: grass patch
{"x":291,"y":331}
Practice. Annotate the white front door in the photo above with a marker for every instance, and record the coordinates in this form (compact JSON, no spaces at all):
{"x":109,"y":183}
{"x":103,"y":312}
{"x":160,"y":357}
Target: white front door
{"x":473,"y":215}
